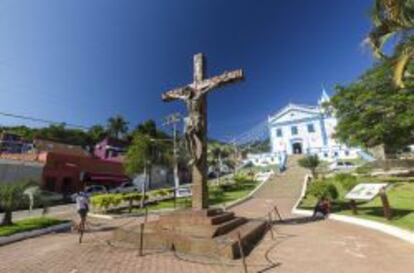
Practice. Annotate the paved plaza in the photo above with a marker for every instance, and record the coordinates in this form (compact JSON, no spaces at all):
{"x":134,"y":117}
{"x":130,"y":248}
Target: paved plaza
{"x":298,"y":245}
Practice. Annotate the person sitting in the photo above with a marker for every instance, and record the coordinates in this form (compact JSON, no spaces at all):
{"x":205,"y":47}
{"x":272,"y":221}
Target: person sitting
{"x":322,"y":208}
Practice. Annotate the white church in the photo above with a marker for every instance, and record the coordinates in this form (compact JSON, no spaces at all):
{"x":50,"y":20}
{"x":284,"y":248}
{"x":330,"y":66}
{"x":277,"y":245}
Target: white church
{"x":304,"y":129}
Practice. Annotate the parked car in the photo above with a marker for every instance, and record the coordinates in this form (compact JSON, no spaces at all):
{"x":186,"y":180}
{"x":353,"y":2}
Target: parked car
{"x":51,"y":197}
{"x":183,"y":192}
{"x":90,"y":191}
{"x":341,"y":165}
{"x":125,"y":187}
{"x":44,"y":197}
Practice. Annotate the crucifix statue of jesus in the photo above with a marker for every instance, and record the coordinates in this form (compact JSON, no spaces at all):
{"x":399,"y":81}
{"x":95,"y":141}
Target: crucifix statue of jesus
{"x":194,"y":96}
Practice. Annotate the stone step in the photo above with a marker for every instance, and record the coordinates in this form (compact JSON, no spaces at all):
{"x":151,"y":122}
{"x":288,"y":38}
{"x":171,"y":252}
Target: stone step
{"x":229,"y":225}
{"x":214,"y":211}
{"x":194,"y":217}
{"x":224,"y":246}
{"x":221,"y":218}
{"x":250,"y":233}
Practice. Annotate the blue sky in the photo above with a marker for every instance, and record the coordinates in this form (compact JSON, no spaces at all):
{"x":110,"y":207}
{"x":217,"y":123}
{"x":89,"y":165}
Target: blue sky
{"x":81,"y":62}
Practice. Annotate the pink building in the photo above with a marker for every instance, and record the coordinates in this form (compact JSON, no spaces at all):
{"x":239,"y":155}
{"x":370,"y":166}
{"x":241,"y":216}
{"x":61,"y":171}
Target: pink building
{"x":110,"y":149}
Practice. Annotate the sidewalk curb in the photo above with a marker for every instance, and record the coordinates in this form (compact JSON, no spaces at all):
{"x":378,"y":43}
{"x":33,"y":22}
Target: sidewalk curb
{"x":113,"y":217}
{"x":399,"y":233}
{"x":247,"y":197}
{"x":34,"y":233}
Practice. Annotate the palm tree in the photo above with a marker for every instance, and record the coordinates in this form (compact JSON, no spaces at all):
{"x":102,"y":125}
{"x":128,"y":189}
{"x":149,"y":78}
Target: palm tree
{"x":11,"y":198}
{"x":117,"y":126}
{"x":310,"y":162}
{"x":394,"y":18}
{"x":217,"y":156}
{"x":96,"y":133}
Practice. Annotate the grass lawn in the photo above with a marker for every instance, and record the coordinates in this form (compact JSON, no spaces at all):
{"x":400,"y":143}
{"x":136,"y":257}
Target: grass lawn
{"x":400,"y":196}
{"x":29,"y":224}
{"x":231,"y":193}
{"x":216,"y":197}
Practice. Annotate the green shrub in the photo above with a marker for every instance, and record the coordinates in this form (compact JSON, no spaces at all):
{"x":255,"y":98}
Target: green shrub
{"x":346,"y":180}
{"x":101,"y":201}
{"x":241,"y":179}
{"x":130,"y":197}
{"x":163,"y":192}
{"x":216,"y":192}
{"x":104,"y":201}
{"x":320,"y":189}
{"x":158,"y":193}
{"x":310,"y":162}
{"x":227,"y":187}
{"x":364,"y":169}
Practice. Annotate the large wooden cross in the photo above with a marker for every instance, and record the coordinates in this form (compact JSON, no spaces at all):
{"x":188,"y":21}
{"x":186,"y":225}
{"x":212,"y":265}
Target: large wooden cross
{"x":194,"y":95}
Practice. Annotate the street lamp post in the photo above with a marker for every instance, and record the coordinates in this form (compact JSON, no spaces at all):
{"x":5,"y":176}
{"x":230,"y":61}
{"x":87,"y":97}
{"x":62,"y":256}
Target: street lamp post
{"x":174,"y":119}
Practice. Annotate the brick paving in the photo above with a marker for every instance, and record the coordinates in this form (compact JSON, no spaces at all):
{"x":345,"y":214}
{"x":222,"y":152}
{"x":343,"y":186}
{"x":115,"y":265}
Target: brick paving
{"x":298,"y":246}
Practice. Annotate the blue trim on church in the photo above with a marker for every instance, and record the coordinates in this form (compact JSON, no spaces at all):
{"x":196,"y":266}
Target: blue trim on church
{"x":323,"y":128}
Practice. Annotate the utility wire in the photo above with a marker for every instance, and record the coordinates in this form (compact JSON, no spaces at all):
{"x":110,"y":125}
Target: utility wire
{"x":43,"y":120}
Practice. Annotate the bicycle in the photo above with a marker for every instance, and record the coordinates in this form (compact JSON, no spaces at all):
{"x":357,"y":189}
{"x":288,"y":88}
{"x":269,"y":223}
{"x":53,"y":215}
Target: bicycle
{"x":80,"y":228}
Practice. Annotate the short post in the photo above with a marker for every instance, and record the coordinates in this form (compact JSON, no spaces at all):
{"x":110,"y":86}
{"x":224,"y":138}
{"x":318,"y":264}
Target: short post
{"x":278,"y":214}
{"x":242,"y":253}
{"x":354,"y":207}
{"x":175,"y":197}
{"x":141,"y":239}
{"x":385,"y":204}
{"x":270,"y":225}
{"x":146,"y":215}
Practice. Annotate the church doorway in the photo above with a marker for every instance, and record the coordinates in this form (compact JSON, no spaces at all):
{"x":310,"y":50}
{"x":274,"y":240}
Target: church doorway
{"x":297,"y":148}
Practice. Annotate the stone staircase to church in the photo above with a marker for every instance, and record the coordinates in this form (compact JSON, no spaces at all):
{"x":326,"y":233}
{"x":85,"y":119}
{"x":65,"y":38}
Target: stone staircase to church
{"x":285,"y":188}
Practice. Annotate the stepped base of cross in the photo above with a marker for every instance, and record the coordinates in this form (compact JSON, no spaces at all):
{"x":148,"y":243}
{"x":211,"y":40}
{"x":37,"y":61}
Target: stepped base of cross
{"x":212,"y":233}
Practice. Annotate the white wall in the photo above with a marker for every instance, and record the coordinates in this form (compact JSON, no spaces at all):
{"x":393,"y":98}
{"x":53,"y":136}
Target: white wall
{"x":312,"y":142}
{"x":308,"y":140}
{"x":264,"y":159}
{"x":12,"y":171}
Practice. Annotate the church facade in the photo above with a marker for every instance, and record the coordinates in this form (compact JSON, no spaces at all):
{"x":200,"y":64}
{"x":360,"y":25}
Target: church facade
{"x":306,"y":129}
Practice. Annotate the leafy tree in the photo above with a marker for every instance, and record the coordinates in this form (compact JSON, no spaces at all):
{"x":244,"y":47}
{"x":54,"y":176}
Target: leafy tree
{"x":394,"y":18}
{"x":139,"y":154}
{"x":372,"y":111}
{"x":11,"y":198}
{"x":148,"y":128}
{"x":257,"y":147}
{"x":59,"y":133}
{"x":149,"y":146}
{"x":216,"y":156}
{"x":347,"y":181}
{"x":96,"y":133}
{"x":23,"y":131}
{"x":117,"y":126}
{"x":310,"y":162}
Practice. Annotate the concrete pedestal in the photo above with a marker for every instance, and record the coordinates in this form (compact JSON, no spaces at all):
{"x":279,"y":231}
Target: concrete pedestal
{"x":210,"y":232}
